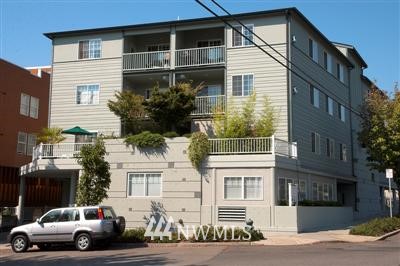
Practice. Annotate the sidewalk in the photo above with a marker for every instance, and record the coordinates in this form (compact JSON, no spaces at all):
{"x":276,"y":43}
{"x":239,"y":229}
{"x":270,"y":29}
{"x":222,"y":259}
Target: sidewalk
{"x":313,"y":238}
{"x":276,"y":239}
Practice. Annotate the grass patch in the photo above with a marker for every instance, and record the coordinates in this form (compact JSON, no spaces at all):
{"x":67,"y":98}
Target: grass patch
{"x":377,"y":227}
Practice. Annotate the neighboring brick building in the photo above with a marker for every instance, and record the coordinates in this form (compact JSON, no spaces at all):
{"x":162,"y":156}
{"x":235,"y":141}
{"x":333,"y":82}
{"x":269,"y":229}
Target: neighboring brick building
{"x":24,"y":108}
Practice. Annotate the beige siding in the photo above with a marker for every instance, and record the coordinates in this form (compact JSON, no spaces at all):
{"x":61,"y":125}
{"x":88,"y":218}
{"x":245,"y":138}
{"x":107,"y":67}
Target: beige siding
{"x":67,"y":48}
{"x":270,"y":80}
{"x":65,"y":113}
{"x":307,"y":118}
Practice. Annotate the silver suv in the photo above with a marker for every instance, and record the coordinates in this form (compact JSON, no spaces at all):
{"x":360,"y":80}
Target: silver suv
{"x":83,"y":226}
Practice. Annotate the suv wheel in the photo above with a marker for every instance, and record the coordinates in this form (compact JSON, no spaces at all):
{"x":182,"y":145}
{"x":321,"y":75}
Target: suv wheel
{"x":119,"y":224}
{"x":19,"y":243}
{"x":83,"y":242}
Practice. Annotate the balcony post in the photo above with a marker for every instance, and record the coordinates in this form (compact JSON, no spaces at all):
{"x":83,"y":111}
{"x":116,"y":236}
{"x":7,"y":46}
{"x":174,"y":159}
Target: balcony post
{"x":40,"y":150}
{"x":172,"y":47}
{"x":273,"y":144}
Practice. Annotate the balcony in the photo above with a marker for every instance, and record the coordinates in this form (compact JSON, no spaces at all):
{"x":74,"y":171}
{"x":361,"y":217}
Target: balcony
{"x":160,"y":60}
{"x":207,"y":105}
{"x":267,"y":145}
{"x":200,"y":56}
{"x":61,"y":150}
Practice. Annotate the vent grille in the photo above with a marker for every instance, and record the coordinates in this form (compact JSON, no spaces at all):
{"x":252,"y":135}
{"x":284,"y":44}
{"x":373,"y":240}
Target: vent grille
{"x":237,"y":214}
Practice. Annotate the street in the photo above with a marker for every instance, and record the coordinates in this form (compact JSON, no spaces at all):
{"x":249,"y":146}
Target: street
{"x":381,"y":253}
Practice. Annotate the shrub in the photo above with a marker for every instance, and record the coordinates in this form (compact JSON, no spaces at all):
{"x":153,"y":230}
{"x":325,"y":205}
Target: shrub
{"x":171,"y":134}
{"x":377,"y":227}
{"x":198,"y":148}
{"x":187,"y":135}
{"x":145,"y":139}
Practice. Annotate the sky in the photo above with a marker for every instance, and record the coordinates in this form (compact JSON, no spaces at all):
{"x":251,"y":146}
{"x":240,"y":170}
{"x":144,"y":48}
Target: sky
{"x":372,"y":26}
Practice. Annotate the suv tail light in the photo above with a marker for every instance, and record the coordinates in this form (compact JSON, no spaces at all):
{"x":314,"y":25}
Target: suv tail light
{"x":100,"y":214}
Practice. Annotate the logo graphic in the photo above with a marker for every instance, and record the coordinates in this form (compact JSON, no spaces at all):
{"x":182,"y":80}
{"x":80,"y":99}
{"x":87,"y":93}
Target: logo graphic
{"x":164,"y":228}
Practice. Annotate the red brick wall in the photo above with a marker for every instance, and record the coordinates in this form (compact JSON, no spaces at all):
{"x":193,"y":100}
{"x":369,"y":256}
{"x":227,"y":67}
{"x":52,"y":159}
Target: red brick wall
{"x":14,"y":81}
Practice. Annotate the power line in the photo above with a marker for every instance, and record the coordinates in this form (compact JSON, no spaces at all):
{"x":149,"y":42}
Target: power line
{"x":333,"y":96}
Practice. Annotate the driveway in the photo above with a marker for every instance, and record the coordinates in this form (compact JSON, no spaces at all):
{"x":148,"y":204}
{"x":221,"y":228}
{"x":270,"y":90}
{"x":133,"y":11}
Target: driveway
{"x":385,"y":252}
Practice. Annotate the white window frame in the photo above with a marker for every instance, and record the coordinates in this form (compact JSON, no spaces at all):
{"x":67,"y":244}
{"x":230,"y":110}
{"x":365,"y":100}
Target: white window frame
{"x":303,"y":181}
{"x":313,"y":52}
{"x":144,"y":184}
{"x":329,"y":105}
{"x":340,"y":72}
{"x":34,"y":110}
{"x":330,"y":148}
{"x":342,"y":112}
{"x":328,"y":62}
{"x":20,"y":142}
{"x":343,"y":152}
{"x":87,"y":87}
{"x":31,"y":143}
{"x":243,"y":39}
{"x":24,"y":108}
{"x":242,"y":84}
{"x":286,"y":193}
{"x":325,"y":192}
{"x":317,"y":143}
{"x":89,"y":53}
{"x":314,"y":96}
{"x":242,"y":188}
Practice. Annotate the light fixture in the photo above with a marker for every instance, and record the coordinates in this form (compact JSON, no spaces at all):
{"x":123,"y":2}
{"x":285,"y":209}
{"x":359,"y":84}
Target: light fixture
{"x":293,"y":38}
{"x":294,"y":90}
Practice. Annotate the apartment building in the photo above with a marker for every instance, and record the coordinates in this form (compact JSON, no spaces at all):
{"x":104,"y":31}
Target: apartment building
{"x":24,"y":101}
{"x":315,"y":144}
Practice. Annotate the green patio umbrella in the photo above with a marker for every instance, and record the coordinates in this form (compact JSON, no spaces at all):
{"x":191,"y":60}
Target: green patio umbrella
{"x":77,"y":131}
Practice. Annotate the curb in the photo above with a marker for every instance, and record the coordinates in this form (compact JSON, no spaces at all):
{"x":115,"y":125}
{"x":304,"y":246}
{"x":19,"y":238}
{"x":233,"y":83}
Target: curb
{"x":388,"y":235}
{"x":184,"y":244}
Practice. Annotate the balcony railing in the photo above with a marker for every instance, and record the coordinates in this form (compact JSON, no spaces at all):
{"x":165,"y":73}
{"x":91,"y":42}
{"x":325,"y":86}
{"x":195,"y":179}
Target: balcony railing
{"x":200,"y":56}
{"x":52,"y":151}
{"x":147,"y":60}
{"x":207,"y":105}
{"x":268,"y":145}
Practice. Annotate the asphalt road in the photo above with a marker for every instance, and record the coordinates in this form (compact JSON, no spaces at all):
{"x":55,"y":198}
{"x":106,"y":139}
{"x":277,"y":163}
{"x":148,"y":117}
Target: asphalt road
{"x":380,"y":253}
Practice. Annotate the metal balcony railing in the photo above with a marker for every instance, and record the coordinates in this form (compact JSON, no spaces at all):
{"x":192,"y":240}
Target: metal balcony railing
{"x":61,"y":150}
{"x":207,"y":105}
{"x":200,"y":56}
{"x":147,"y":60}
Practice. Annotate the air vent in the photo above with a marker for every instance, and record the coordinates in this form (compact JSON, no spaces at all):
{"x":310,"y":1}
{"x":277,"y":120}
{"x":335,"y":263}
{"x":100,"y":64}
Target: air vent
{"x":237,"y":214}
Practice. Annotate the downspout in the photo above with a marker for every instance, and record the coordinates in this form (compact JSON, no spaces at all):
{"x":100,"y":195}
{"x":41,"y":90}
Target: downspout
{"x":351,"y":137}
{"x":51,"y":84}
{"x":289,"y":76}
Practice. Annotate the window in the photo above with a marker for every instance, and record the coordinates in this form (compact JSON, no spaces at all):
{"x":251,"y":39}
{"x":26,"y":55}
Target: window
{"x":243,"y":188}
{"x":343,"y":152}
{"x":314,"y":96}
{"x":144,"y":184}
{"x":242,"y":85}
{"x":91,"y":214}
{"x":21,"y":144}
{"x":302,"y":190}
{"x":70,"y":215}
{"x":24,"y":107}
{"x":322,"y":191}
{"x":34,"y":110}
{"x":313,"y":50}
{"x":328,"y":62}
{"x":283,"y":188}
{"x":342,"y":112}
{"x":87,"y":94}
{"x":330,"y":147}
{"x":158,"y":47}
{"x":51,"y":217}
{"x":315,"y":143}
{"x":329,"y":105}
{"x":31,"y":144}
{"x":108,"y":213}
{"x":90,"y":49}
{"x":340,"y":72}
{"x":238,"y":39}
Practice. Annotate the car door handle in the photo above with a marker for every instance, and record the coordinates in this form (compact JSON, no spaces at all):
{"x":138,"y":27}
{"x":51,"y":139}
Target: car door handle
{"x":76,"y":225}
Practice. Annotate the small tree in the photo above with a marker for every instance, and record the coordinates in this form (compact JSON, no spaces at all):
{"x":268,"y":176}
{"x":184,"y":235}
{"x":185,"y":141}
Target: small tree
{"x":380,"y":131}
{"x":172,"y":108}
{"x":265,"y":125}
{"x":95,"y":179}
{"x":50,"y":135}
{"x":129,"y":108}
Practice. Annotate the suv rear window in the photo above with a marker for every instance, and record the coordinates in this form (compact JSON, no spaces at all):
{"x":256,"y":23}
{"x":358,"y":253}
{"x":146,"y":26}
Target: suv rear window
{"x":91,"y":214}
{"x":108,"y":213}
